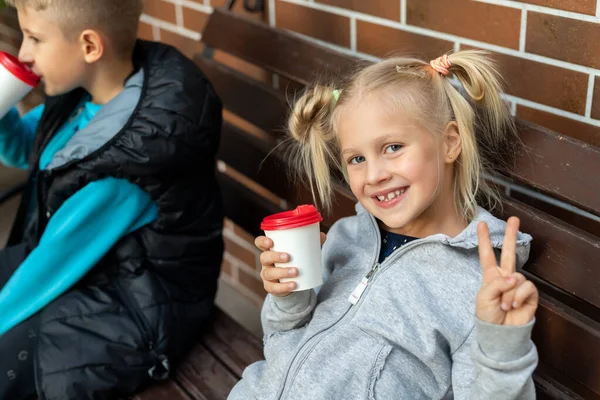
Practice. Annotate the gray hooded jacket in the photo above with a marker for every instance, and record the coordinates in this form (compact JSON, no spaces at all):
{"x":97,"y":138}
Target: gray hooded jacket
{"x":412,"y":333}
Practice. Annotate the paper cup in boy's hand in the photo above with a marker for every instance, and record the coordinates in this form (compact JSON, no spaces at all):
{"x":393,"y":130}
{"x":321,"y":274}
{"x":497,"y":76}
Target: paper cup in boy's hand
{"x":297,"y":233}
{"x":16,"y":80}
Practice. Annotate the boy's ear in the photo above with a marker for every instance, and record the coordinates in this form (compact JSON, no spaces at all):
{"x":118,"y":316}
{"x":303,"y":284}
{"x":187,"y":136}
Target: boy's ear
{"x":92,"y":45}
{"x":452,"y":142}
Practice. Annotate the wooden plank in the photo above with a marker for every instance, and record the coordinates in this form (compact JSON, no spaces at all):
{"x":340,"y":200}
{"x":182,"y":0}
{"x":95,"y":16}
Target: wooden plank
{"x":251,"y":156}
{"x":168,"y":390}
{"x":243,"y":206}
{"x":559,"y":165}
{"x":249,"y":99}
{"x":565,"y":256}
{"x":587,"y":224}
{"x":568,"y":342}
{"x":274,"y":49}
{"x":232,"y":344}
{"x":551,"y":384}
{"x":204,"y":377}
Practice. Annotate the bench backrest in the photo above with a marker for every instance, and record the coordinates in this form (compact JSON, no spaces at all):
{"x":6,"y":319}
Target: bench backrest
{"x":565,"y":258}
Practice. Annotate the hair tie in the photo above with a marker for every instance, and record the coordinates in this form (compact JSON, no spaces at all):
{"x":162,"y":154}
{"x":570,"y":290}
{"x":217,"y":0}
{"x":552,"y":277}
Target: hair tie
{"x":336,"y":95}
{"x":441,"y":64}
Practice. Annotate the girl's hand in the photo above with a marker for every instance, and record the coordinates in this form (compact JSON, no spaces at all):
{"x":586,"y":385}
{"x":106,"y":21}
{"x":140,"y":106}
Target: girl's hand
{"x":506,"y":297}
{"x":271,"y":274}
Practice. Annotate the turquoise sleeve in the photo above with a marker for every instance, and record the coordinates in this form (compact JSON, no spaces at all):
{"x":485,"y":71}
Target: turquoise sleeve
{"x":17,"y":135}
{"x":78,"y":235}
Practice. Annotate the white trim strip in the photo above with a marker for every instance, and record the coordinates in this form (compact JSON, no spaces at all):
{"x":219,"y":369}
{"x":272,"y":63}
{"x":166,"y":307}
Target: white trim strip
{"x":272,"y":19}
{"x":403,"y":11}
{"x":179,"y":14}
{"x":552,"y":110}
{"x":353,"y":34}
{"x":539,"y":196}
{"x":590,"y":96}
{"x":523,"y":38}
{"x":193,"y":5}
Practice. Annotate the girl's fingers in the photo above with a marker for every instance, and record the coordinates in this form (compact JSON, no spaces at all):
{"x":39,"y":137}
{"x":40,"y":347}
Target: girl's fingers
{"x":279,"y":289}
{"x":275,"y":274}
{"x":526,"y":293}
{"x":263,"y":243}
{"x":508,"y":259}
{"x":508,"y":297}
{"x":493,"y":290}
{"x":487,"y":258}
{"x":269,"y":258}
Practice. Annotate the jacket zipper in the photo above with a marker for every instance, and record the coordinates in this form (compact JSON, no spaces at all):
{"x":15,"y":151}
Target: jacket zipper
{"x":141,"y":322}
{"x":354,"y":300}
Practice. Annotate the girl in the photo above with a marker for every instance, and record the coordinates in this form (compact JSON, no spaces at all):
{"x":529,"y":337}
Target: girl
{"x":413,"y":150}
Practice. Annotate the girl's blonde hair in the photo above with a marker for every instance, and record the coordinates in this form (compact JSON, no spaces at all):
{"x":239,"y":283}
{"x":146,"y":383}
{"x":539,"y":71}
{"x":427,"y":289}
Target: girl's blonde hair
{"x":429,"y":98}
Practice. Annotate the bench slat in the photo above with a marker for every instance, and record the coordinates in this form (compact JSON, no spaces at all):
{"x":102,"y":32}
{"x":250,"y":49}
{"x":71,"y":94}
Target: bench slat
{"x":204,"y":377}
{"x":273,"y":50}
{"x":232,"y":344}
{"x":561,"y":166}
{"x":560,"y":254}
{"x":247,"y":154}
{"x":569,"y":342}
{"x":551,"y":384}
{"x":168,"y":390}
{"x":243,"y":206}
{"x":249,"y":99}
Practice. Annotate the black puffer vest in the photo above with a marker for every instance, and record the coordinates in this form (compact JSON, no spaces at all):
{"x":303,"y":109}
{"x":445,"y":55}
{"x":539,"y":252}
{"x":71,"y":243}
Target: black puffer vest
{"x":145,"y":303}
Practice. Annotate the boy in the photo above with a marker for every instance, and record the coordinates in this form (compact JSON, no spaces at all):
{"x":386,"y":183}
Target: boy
{"x":111,"y":269}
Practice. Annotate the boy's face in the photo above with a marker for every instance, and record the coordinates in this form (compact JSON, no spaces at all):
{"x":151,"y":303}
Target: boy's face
{"x":58,"y":60}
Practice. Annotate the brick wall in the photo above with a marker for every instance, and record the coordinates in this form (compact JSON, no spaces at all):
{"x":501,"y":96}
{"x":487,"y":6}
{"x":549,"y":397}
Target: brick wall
{"x":547,"y":50}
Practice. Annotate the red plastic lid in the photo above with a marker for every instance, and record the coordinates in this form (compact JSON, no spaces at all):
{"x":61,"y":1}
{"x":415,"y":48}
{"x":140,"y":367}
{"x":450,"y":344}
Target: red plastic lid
{"x":18,"y":69}
{"x":302,"y":216}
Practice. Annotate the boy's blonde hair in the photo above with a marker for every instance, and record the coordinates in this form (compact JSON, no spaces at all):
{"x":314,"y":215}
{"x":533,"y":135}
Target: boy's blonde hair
{"x":117,"y":19}
{"x":413,"y":87}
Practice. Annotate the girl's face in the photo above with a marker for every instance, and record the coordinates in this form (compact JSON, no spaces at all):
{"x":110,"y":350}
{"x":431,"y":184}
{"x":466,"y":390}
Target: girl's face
{"x":399,"y":171}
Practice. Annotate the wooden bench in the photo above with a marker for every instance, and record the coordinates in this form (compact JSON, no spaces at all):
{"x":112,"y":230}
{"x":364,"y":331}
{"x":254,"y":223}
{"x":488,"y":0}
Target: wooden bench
{"x":565,"y":257}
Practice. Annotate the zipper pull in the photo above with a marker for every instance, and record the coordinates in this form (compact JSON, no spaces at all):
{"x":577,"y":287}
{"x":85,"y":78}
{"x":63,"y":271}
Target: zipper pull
{"x":359,"y":290}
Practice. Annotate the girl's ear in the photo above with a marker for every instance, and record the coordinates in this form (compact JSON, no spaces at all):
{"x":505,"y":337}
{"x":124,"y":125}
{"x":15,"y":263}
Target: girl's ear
{"x":452,"y":142}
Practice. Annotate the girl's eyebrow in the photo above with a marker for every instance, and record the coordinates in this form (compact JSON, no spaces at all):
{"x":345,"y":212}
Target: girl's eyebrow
{"x":382,"y":139}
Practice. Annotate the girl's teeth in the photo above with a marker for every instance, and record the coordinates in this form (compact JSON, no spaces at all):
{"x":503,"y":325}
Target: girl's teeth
{"x":391,"y":195}
{"x":381,"y":198}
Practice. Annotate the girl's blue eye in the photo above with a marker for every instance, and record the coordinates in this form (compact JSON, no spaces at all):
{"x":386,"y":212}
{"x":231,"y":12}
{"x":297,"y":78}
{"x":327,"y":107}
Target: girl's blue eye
{"x":357,"y":160}
{"x":393,"y":148}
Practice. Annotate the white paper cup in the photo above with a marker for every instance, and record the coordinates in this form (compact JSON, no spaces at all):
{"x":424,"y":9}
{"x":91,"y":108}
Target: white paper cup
{"x":297,"y":233}
{"x":16,"y":80}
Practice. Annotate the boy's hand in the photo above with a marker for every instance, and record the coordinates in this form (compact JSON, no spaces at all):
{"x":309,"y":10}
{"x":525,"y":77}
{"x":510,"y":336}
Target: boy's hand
{"x":506,"y":297}
{"x":271,"y":274}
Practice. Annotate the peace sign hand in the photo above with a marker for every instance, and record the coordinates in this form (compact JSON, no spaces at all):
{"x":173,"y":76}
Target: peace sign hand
{"x":506,"y":297}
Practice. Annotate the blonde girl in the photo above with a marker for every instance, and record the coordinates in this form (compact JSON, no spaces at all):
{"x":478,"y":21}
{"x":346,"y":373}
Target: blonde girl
{"x":415,"y":305}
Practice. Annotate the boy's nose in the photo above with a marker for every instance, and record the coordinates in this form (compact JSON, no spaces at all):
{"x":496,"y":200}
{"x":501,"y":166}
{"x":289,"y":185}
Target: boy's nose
{"x":25,"y":55}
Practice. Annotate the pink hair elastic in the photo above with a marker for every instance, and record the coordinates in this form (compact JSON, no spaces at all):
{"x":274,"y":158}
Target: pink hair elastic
{"x":441,"y":64}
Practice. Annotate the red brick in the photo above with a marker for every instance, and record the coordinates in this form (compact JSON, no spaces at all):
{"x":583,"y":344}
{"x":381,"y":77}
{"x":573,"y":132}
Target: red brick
{"x":252,"y":282}
{"x":379,"y":8}
{"x":569,"y":127}
{"x":227,"y":268}
{"x":161,"y":9}
{"x":188,"y":46}
{"x":564,"y":39}
{"x":467,"y":18}
{"x":543,"y":83}
{"x":579,"y":6}
{"x":596,"y":99}
{"x":244,"y":255}
{"x":397,"y":42}
{"x":145,"y":31}
{"x":318,"y":24}
{"x":194,"y":20}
